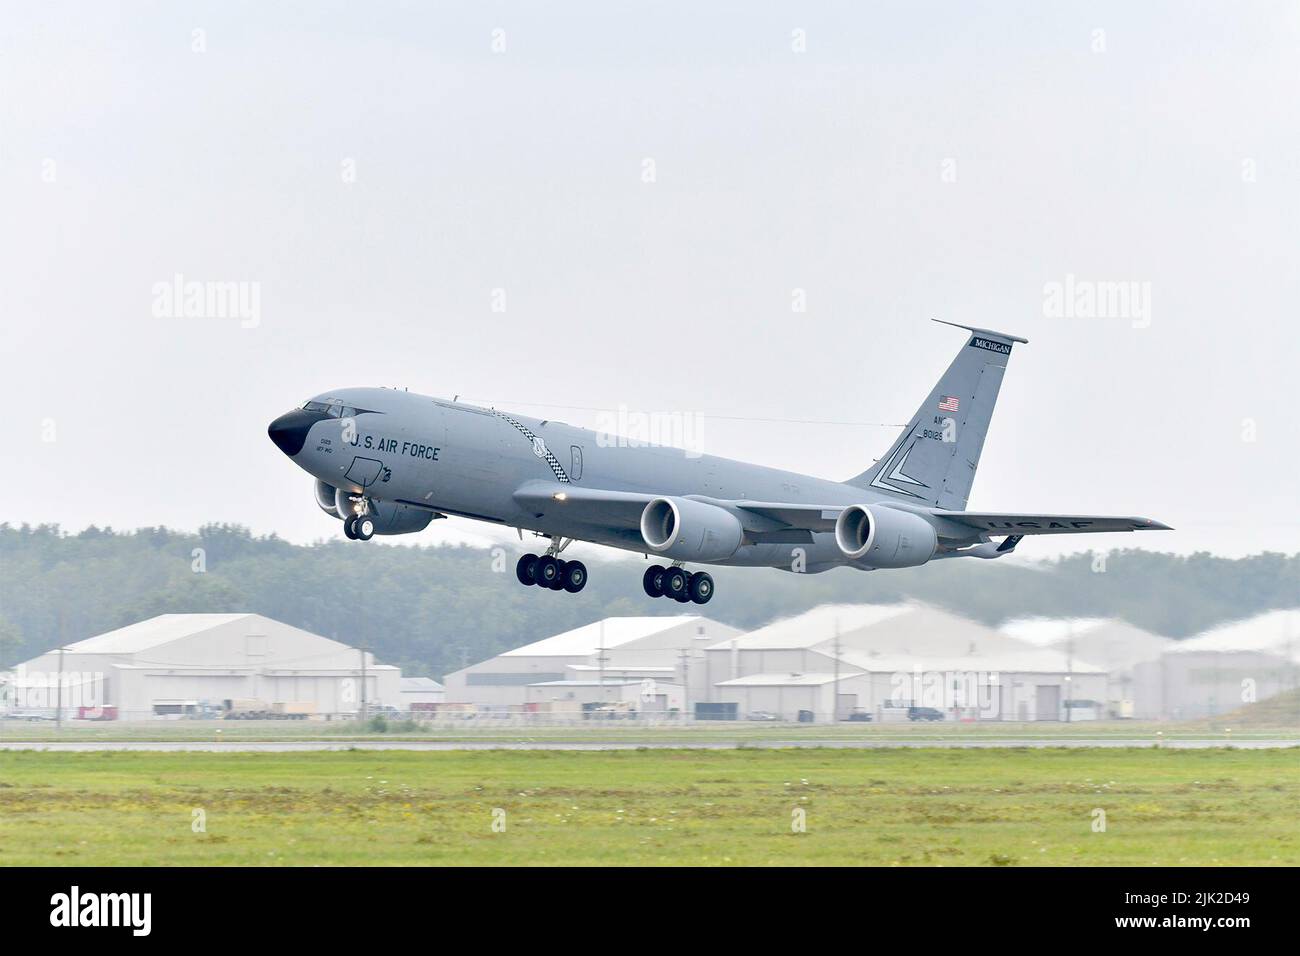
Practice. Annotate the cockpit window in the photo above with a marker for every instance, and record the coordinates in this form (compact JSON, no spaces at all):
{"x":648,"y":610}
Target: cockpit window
{"x":349,"y":412}
{"x":316,"y":407}
{"x":334,"y":410}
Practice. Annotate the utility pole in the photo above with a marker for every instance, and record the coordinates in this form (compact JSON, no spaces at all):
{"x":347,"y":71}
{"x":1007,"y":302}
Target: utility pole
{"x":58,"y":707}
{"x":600,"y":661}
{"x":835,"y":687}
{"x":363,"y":682}
{"x":686,"y":682}
{"x":1069,"y":669}
{"x":63,"y":640}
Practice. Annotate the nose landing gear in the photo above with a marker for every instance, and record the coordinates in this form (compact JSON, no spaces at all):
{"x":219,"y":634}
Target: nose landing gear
{"x":359,"y":527}
{"x":676,"y":583}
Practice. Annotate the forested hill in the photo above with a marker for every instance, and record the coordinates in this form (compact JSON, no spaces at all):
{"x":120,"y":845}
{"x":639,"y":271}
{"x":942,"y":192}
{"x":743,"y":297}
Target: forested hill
{"x":433,"y":609}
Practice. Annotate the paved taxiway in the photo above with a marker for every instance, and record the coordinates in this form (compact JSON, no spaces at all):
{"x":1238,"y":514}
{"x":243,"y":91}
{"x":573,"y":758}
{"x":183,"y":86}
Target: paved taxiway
{"x":290,"y":746}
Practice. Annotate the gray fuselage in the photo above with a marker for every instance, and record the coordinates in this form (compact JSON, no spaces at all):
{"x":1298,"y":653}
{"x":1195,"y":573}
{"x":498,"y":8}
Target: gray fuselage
{"x":464,"y":460}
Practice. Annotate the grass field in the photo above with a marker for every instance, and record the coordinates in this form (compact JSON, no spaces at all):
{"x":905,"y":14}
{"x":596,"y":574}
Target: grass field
{"x":906,"y":807}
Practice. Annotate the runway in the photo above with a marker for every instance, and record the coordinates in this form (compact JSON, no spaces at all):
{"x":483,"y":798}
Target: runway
{"x":1072,"y":743}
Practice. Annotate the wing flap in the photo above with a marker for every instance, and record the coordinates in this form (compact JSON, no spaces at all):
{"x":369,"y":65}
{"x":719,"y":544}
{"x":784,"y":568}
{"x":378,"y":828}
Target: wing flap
{"x":801,"y":517}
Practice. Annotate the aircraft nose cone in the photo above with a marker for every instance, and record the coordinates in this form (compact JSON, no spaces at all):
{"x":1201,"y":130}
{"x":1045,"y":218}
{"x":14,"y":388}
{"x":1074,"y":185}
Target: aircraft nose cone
{"x":289,"y":431}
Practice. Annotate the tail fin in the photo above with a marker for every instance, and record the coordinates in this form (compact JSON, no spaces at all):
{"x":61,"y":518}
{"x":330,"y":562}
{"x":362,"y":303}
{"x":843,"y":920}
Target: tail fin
{"x":933,"y":462}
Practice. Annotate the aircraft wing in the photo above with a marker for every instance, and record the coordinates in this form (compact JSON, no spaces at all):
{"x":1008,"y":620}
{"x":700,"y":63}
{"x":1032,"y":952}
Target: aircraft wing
{"x":767,"y":520}
{"x":594,"y":506}
{"x":622,"y":509}
{"x":1017,"y":524}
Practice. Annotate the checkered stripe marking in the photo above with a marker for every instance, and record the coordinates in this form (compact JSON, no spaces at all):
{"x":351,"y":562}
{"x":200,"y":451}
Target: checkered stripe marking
{"x":534,"y":440}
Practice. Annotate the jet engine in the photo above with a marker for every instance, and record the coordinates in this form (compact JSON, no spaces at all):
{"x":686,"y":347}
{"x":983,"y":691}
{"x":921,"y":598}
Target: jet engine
{"x":688,"y":530}
{"x":881,"y":537}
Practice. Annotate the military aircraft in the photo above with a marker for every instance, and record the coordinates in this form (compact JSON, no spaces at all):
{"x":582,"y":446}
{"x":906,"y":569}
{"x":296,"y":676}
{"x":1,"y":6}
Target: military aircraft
{"x":388,"y":462}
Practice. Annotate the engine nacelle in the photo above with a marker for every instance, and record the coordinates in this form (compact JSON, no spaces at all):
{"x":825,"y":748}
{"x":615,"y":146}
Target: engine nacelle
{"x":327,"y":500}
{"x":687,"y":530}
{"x":883,"y":537}
{"x":393,"y":518}
{"x":390,"y":517}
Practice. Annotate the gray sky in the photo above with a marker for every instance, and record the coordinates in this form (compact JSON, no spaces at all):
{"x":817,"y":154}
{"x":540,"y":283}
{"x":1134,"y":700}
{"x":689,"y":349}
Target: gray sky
{"x":378,"y":170}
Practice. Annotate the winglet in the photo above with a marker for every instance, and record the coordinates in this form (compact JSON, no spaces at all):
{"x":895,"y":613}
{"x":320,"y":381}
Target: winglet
{"x":979,"y":331}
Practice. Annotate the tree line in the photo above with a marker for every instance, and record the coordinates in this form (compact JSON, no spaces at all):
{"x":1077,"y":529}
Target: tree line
{"x":433,"y":609}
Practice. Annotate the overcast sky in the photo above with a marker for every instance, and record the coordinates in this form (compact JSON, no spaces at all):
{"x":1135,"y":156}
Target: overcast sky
{"x":379,"y":169}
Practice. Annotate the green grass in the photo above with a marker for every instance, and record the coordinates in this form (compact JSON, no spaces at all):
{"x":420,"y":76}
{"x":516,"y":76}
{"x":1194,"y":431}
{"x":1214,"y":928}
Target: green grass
{"x":908,"y":807}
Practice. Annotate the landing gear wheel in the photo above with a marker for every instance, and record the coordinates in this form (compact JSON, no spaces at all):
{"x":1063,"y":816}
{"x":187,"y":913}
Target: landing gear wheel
{"x":364,"y":527}
{"x":558,"y":583}
{"x":653,"y":581}
{"x":526,"y":570}
{"x":548,"y":569}
{"x":350,"y":527}
{"x":701,"y":587}
{"x":675,"y":583}
{"x":574,"y":576}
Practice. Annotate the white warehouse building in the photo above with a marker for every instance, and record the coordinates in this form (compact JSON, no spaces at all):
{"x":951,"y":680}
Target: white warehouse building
{"x":1116,"y":646}
{"x":879,"y":660}
{"x":188,"y":664}
{"x":621,"y":651}
{"x":1223,"y":669}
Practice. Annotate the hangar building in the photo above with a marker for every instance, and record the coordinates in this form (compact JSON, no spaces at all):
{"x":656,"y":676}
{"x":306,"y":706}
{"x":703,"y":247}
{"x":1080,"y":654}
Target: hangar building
{"x":1113,"y":645}
{"x":878,"y":660}
{"x":1222,"y":669}
{"x":188,"y":664}
{"x":568,"y":666}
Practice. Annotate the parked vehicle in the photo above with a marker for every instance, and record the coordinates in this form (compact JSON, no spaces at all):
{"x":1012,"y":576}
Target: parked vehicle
{"x":924,"y":713}
{"x":762,"y":715}
{"x":104,"y":712}
{"x":251,"y":708}
{"x":859,"y":716}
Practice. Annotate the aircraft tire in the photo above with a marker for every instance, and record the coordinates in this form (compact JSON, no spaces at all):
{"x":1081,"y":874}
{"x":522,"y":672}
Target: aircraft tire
{"x":675,"y":583}
{"x":701,"y":587}
{"x":526,"y":570}
{"x":574,"y":576}
{"x":349,"y":527}
{"x":653,"y":581}
{"x":558,"y":583}
{"x":548,"y":569}
{"x":364,"y":527}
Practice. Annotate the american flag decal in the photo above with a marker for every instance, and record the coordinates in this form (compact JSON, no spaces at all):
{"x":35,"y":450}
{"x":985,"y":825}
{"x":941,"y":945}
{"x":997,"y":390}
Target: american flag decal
{"x":948,"y":403}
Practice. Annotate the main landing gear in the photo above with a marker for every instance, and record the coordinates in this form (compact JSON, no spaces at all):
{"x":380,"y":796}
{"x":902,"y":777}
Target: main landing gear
{"x":552,"y":572}
{"x":674,"y":582}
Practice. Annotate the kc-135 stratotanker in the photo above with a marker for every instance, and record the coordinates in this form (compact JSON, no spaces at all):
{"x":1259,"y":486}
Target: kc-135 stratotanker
{"x":389,"y":462}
